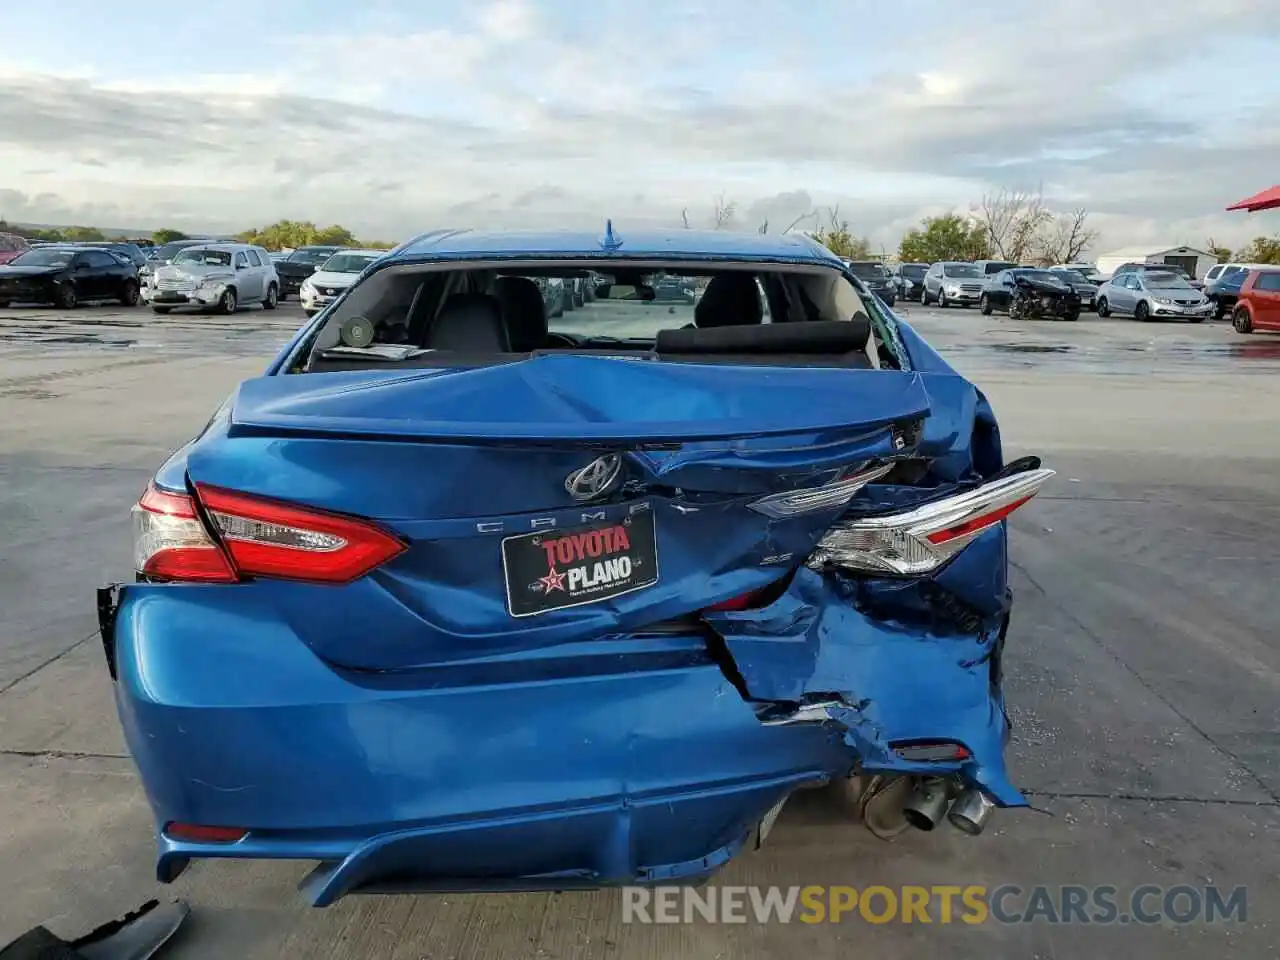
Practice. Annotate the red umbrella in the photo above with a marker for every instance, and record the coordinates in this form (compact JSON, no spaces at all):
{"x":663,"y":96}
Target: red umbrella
{"x":1266,"y":200}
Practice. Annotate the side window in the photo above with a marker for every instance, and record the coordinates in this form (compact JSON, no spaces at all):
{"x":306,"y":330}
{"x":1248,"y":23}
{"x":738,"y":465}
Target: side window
{"x":253,"y":258}
{"x":240,"y":260}
{"x":98,"y":260}
{"x":935,"y":270}
{"x":1267,"y":281}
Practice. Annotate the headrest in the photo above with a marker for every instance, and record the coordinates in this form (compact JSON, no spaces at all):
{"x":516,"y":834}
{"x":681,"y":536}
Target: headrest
{"x":524,"y":312}
{"x":825,"y":337}
{"x":730,"y":300}
{"x":470,"y":322}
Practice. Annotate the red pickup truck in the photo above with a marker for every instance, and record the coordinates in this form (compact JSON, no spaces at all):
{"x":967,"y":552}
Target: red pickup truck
{"x":1258,"y":305}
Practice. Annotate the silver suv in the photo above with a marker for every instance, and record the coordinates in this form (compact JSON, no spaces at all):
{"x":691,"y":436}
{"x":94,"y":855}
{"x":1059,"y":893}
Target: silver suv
{"x":218,"y":276}
{"x":950,"y":282}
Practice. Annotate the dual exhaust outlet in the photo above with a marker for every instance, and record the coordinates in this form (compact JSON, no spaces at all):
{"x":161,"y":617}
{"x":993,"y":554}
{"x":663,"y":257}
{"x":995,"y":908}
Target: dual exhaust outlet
{"x":934,"y":797}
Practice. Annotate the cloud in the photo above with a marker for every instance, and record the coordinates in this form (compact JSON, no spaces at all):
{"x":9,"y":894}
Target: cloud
{"x":527,"y":114}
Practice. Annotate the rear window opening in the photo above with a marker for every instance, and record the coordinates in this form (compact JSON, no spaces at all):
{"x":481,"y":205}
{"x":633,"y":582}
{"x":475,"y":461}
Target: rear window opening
{"x":434,"y":315}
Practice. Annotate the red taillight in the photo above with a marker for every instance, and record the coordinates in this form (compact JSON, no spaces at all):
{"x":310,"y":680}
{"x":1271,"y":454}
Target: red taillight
{"x":262,"y":538}
{"x":200,"y":833}
{"x":171,"y":543}
{"x":976,"y":524}
{"x":267,"y":538}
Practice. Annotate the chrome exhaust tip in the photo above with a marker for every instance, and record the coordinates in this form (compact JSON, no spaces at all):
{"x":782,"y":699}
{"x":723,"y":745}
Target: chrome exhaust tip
{"x":928,"y":802}
{"x":970,"y":812}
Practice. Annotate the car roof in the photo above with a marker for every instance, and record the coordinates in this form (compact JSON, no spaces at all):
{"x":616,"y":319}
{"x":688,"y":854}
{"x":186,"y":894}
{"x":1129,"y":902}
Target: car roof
{"x":643,"y":244}
{"x":361,"y":251}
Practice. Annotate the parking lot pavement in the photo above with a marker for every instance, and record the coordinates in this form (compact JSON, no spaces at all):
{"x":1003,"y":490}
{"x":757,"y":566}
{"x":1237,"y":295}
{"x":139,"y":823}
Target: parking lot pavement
{"x":1144,"y":667}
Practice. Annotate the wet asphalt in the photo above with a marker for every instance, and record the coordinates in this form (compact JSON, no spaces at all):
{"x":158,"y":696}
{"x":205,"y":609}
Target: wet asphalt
{"x":1143,"y":661}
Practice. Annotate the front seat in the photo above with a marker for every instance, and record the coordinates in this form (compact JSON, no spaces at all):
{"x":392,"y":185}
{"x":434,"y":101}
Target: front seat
{"x":524,"y":312}
{"x":730,"y":300}
{"x":470,"y":323}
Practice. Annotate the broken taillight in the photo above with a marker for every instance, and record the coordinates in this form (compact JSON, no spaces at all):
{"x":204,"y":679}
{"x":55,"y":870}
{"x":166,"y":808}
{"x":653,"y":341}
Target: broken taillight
{"x":794,"y":503}
{"x":921,"y":540}
{"x":255,"y":537}
{"x":171,"y":543}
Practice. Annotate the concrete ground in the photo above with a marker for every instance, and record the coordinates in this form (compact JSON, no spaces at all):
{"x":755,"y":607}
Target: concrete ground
{"x":1144,"y":666}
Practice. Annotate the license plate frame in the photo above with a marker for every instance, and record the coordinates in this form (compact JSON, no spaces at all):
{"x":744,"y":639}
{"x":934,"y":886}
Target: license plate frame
{"x":585,"y":578}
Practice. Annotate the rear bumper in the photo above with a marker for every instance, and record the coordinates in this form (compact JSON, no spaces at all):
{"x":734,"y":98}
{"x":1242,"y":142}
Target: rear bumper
{"x":620,"y":761}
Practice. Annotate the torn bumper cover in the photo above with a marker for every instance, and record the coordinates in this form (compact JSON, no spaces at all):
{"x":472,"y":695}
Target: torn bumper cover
{"x":637,"y":759}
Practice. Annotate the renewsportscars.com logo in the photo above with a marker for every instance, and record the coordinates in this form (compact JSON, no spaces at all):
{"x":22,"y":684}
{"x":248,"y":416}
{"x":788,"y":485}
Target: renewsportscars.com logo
{"x":973,"y":904}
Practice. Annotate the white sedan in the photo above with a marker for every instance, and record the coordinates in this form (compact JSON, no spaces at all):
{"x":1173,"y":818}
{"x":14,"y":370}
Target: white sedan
{"x":332,"y":278}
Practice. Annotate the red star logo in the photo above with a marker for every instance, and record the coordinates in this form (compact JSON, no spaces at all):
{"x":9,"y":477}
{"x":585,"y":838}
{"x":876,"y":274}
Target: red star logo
{"x":552,"y":581}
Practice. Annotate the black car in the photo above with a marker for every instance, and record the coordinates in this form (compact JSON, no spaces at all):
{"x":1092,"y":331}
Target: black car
{"x":1082,"y":285}
{"x":67,"y":277}
{"x":1030,"y":294}
{"x":876,"y":278}
{"x":301,"y":264}
{"x":1224,"y":291}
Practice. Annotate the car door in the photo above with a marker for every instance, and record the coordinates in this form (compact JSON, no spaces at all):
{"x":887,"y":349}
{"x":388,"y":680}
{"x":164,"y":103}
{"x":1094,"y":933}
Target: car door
{"x":1266,"y":300}
{"x":258,"y":271}
{"x":932,"y":279}
{"x":83,"y":277}
{"x":1120,"y":296}
{"x":248,"y":280}
{"x":999,"y":290}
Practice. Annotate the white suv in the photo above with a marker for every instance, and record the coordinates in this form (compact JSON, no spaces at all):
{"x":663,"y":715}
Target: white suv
{"x":221,"y":276}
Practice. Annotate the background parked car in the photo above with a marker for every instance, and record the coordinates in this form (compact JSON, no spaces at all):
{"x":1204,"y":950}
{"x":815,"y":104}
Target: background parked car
{"x":11,"y":245}
{"x":1143,"y":294}
{"x":952,"y":281}
{"x":1258,"y":306}
{"x":130,"y":251}
{"x":1086,"y":288}
{"x":1086,"y":270}
{"x":876,"y":278}
{"x":222,"y":276}
{"x":1030,"y":293}
{"x":67,"y":277}
{"x":989,"y":268}
{"x":334,"y":276}
{"x":299,"y":265}
{"x":1224,"y":290}
{"x":1160,"y":268}
{"x":909,"y":279}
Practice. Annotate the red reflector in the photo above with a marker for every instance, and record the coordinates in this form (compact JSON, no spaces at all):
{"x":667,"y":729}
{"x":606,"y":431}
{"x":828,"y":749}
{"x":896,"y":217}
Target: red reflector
{"x":742,"y":602}
{"x":976,"y":523}
{"x":268,"y":538}
{"x":935,"y":752}
{"x":199,"y":833}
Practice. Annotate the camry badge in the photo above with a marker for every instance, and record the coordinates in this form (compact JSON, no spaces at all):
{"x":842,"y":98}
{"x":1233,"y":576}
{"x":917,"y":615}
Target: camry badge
{"x":598,"y":478}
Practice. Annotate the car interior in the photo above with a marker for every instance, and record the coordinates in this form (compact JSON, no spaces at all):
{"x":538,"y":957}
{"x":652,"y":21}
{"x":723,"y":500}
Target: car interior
{"x":475,"y":317}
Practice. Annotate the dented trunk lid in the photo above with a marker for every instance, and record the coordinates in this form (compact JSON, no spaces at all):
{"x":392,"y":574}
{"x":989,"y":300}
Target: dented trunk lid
{"x":475,"y":469}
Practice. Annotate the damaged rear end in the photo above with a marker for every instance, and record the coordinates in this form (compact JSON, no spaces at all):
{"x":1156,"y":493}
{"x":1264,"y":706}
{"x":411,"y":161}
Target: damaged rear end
{"x":574,"y":617}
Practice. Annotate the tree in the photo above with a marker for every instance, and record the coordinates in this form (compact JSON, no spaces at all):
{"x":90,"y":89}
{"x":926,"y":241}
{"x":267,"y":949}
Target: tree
{"x":948,"y":237}
{"x":837,"y":237}
{"x":168,"y":235}
{"x":83,"y":234}
{"x":1261,"y":250}
{"x":723,"y":214}
{"x":1064,"y":237}
{"x":1222,"y":253}
{"x":1014,"y":221}
{"x":298,"y":233}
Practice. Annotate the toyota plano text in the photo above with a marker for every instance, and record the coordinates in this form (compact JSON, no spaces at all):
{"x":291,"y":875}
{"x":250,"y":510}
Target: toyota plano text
{"x":459,"y":597}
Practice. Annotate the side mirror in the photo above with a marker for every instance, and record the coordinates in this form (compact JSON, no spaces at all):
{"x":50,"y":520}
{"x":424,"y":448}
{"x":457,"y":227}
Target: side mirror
{"x":242,"y":266}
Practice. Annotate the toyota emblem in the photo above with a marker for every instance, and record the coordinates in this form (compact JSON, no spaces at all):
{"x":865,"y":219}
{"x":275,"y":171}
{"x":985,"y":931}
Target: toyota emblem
{"x":599,"y":477}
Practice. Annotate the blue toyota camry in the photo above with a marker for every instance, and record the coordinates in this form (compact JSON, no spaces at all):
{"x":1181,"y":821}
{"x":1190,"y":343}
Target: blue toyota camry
{"x":455,"y":597}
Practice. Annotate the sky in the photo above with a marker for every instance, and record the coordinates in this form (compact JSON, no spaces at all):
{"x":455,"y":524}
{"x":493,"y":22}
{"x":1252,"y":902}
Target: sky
{"x":393,"y":117}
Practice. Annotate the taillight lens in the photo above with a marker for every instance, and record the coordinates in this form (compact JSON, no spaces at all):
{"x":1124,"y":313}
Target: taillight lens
{"x":260,"y":538}
{"x":266,"y":538}
{"x":170,"y":542}
{"x":794,"y":503}
{"x":921,"y":540}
